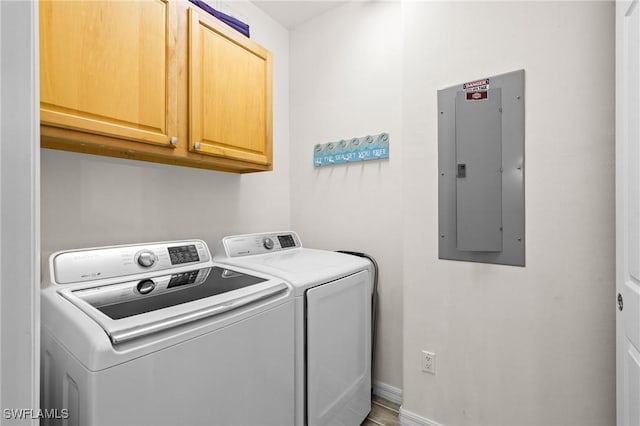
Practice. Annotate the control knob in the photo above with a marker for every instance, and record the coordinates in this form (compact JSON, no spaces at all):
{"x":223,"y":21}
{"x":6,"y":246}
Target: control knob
{"x":146,"y":258}
{"x":145,"y":286}
{"x":267,"y":243}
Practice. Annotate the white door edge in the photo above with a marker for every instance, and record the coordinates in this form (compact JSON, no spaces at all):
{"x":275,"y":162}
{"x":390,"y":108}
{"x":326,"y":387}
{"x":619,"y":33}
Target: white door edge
{"x":20,"y":209}
{"x":627,"y":212}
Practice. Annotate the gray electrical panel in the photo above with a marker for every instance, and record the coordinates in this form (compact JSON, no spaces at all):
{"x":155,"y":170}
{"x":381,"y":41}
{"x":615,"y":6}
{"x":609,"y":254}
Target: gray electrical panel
{"x":481,"y":170}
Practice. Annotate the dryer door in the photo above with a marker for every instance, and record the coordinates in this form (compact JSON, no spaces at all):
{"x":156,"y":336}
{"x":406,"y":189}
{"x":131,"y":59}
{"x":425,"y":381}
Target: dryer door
{"x":338,"y":326}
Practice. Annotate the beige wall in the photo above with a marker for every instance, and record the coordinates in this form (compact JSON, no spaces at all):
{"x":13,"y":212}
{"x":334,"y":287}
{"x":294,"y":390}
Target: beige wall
{"x":531,"y":345}
{"x":346,"y":82}
{"x":89,"y":200}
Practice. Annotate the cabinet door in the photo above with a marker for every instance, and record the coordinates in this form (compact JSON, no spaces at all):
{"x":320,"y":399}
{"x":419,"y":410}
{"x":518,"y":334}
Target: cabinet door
{"x":108,"y":68}
{"x":229,"y":93}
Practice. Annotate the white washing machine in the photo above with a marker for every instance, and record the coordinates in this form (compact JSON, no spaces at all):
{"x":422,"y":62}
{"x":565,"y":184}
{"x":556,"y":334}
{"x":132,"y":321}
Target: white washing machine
{"x":158,"y":334}
{"x":333,"y":322}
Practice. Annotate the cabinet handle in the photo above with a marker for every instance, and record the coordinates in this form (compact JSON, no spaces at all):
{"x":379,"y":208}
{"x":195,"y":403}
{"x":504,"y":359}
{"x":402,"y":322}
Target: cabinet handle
{"x":196,"y":145}
{"x":174,"y":140}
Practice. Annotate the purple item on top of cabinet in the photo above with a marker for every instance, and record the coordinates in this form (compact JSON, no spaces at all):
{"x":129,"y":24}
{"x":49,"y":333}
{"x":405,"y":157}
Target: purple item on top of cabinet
{"x":229,"y":20}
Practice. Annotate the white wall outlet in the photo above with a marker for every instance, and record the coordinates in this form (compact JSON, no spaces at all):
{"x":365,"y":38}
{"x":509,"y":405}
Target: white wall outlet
{"x":429,"y":362}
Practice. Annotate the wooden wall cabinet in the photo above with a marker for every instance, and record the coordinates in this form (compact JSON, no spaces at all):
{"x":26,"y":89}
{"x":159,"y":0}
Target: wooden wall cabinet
{"x":153,"y":80}
{"x":229,"y":115}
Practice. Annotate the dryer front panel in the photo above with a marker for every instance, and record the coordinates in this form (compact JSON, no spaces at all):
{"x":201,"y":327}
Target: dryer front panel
{"x":338,"y":336}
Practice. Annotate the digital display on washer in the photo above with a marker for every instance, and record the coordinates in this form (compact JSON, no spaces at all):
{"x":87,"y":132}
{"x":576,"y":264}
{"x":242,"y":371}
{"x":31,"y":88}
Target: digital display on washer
{"x":183,"y":254}
{"x":183,"y":278}
{"x":286,"y":241}
{"x":219,"y":281}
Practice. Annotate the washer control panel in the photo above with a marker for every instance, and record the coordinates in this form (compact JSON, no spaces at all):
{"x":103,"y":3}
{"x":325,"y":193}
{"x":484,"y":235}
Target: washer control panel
{"x":252,"y":244}
{"x":76,"y":266}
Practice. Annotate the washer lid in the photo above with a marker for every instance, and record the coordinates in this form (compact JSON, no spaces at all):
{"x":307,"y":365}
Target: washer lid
{"x":133,"y":309}
{"x":119,"y":301}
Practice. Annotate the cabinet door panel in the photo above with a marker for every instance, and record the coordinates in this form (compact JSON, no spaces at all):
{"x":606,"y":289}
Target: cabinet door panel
{"x":230,"y":93}
{"x":108,"y":68}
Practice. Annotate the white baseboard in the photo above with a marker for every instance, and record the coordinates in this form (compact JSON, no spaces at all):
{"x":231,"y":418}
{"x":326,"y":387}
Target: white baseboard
{"x":393,"y":394}
{"x":407,"y":418}
{"x":387,"y":392}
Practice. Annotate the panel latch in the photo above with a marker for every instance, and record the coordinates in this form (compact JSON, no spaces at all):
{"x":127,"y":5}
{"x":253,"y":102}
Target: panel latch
{"x":462,"y":171}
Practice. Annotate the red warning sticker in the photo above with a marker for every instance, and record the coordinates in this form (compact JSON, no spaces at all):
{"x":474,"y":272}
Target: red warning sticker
{"x":477,"y":95}
{"x":476,"y":85}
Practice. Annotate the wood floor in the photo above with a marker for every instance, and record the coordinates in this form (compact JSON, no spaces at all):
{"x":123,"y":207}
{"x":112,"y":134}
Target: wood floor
{"x":383,"y":413}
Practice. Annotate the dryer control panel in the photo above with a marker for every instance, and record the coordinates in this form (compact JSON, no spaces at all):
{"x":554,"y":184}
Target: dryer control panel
{"x":100,"y":263}
{"x":252,"y":244}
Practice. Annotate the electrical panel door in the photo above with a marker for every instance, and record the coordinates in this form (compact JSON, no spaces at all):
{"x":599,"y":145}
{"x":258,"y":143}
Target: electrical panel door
{"x":478,"y":173}
{"x":481,"y":170}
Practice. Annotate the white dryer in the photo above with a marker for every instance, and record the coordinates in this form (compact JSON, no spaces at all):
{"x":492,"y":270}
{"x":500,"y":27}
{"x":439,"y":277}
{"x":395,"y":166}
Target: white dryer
{"x":158,"y":334}
{"x":333,"y":294}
